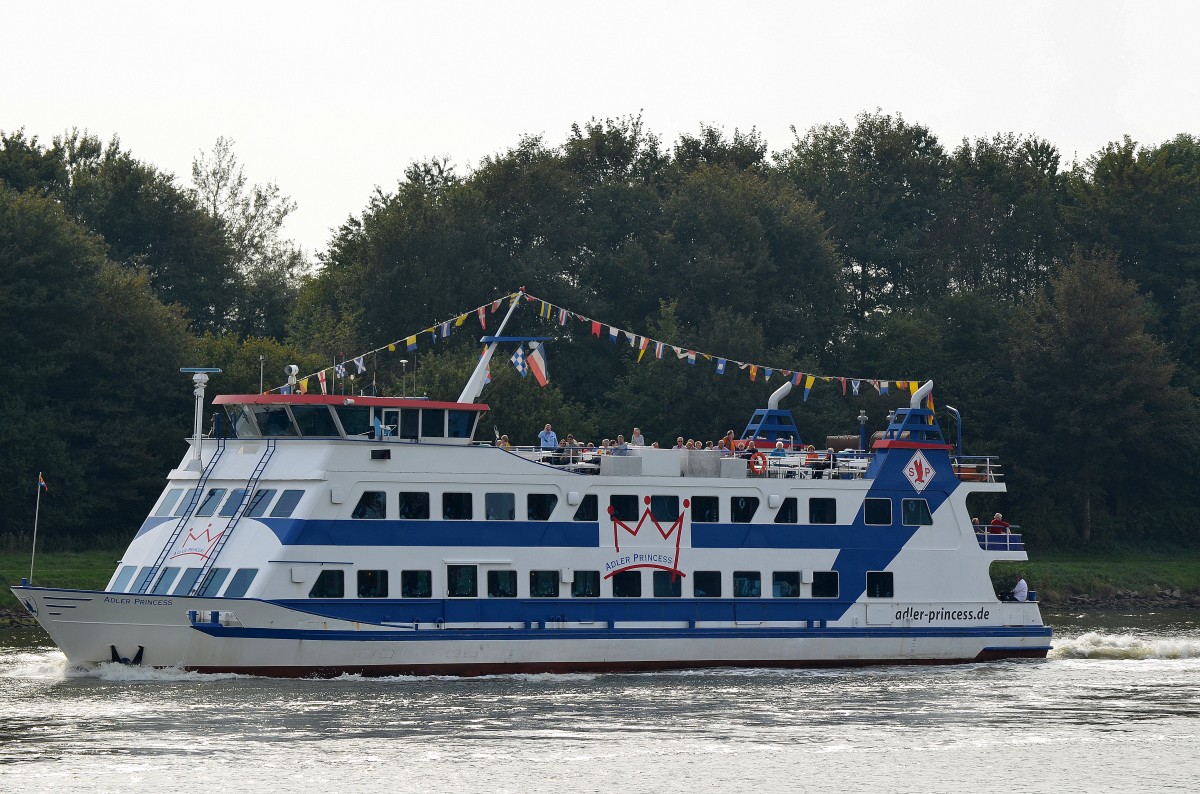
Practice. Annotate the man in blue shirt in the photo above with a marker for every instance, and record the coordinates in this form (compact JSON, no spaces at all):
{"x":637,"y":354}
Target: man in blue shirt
{"x":547,"y":438}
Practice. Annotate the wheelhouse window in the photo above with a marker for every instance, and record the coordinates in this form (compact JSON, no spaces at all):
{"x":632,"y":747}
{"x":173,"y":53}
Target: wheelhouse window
{"x":331,"y":583}
{"x":825,"y":584}
{"x":168,"y":502}
{"x":879,"y":584}
{"x":236,"y":497}
{"x":260,"y":502}
{"x":212,"y":583}
{"x":500,"y":506}
{"x":915,"y":513}
{"x":371,"y":505}
{"x":667,"y":584}
{"x":543,"y":584}
{"x":586,"y":584}
{"x":410,"y":423}
{"x":459,"y":424}
{"x":211,"y":499}
{"x":456,"y":506}
{"x":462,"y":581}
{"x":414,"y":506}
{"x":743,"y":508}
{"x":747,"y":584}
{"x":240,"y":583}
{"x":627,"y":584}
{"x":822,"y":510}
{"x":372,"y":584}
{"x":433,"y":423}
{"x":664,"y":508}
{"x":502,"y":584}
{"x":625,"y":507}
{"x":706,"y":584}
{"x":273,"y":420}
{"x":706,"y":509}
{"x":587,"y":510}
{"x":314,"y":420}
{"x":785,"y":584}
{"x":788,"y":513}
{"x":878,"y":512}
{"x":540,"y":506}
{"x":416,"y":584}
{"x":355,"y":421}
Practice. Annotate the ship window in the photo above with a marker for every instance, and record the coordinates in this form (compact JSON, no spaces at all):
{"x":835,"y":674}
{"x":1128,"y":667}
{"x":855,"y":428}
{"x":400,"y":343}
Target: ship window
{"x":260,"y":502}
{"x":433,"y":423}
{"x":624,"y":507}
{"x":211,"y":500}
{"x":743,"y":508}
{"x":212,"y":583}
{"x":706,"y":509}
{"x":330,"y":584}
{"x":825,"y":584}
{"x":236,"y":497}
{"x":459,"y":423}
{"x":627,"y":584}
{"x":372,"y":504}
{"x":915,"y":513}
{"x":706,"y":584}
{"x":168,"y":502}
{"x":371,"y":584}
{"x":586,"y":584}
{"x":414,"y":505}
{"x":186,"y":582}
{"x":240,"y":582}
{"x":788,"y":512}
{"x":878,"y":512}
{"x":665,"y":508}
{"x":822,"y":510}
{"x":879,"y":584}
{"x":416,"y":584}
{"x":287,"y":503}
{"x":165,"y":580}
{"x":785,"y":584}
{"x":185,"y":504}
{"x":273,"y":420}
{"x":241,"y":419}
{"x":314,"y":420}
{"x":355,"y":421}
{"x":410,"y":419}
{"x":587,"y":510}
{"x":462,"y":581}
{"x":502,"y":584}
{"x":543,"y":584}
{"x":123,"y":578}
{"x":142,"y":578}
{"x":667,"y":584}
{"x":456,"y":506}
{"x":747,"y":584}
{"x":541,"y":505}
{"x":500,"y":506}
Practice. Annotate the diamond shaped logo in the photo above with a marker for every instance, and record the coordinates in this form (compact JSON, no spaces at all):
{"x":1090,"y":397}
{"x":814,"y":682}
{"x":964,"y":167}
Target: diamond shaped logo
{"x":918,"y":472}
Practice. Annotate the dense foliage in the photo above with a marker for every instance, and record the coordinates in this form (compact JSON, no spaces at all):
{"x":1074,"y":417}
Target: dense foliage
{"x":1057,"y":306}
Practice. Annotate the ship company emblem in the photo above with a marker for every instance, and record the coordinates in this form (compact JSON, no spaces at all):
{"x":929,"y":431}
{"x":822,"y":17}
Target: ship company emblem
{"x":658,"y":548}
{"x":199,"y":544}
{"x":918,"y":472}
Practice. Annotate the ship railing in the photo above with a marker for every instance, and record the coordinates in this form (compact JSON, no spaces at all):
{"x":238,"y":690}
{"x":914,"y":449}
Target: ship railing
{"x":845,"y":465}
{"x":1000,"y":538}
{"x":977,"y":468}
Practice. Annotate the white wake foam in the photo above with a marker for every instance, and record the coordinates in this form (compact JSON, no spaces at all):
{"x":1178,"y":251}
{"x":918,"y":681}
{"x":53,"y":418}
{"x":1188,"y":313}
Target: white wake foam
{"x":1098,"y":645}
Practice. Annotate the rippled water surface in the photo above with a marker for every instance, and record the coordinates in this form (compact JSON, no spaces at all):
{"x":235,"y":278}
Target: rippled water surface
{"x":1115,"y":708}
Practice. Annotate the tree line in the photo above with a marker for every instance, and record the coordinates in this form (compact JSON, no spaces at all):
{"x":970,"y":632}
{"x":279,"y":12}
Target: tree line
{"x":1056,"y":305}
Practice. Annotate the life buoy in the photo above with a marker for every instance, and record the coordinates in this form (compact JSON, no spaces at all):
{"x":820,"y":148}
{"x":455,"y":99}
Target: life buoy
{"x":758,"y":463}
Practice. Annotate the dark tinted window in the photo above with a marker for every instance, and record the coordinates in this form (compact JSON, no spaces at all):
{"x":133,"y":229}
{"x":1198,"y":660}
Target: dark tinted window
{"x":372,"y":505}
{"x":213,"y":581}
{"x":260,"y":501}
{"x":273,"y":420}
{"x":587,"y":509}
{"x":785,"y":584}
{"x":314,"y":420}
{"x":541,"y":505}
{"x":667,"y":584}
{"x":543,"y":584}
{"x":706,"y":584}
{"x":187,"y":502}
{"x":236,"y":497}
{"x":625,"y":507}
{"x":460,"y":424}
{"x":915,"y":512}
{"x":409,"y":422}
{"x":822,"y":511}
{"x":747,"y":584}
{"x":627,"y":584}
{"x":462,"y":581}
{"x":211,"y":500}
{"x":586,"y":584}
{"x":123,"y":578}
{"x":355,"y":421}
{"x":433,"y":423}
{"x":414,"y":505}
{"x":825,"y":584}
{"x":788,"y":512}
{"x":664,"y":508}
{"x":168,"y":502}
{"x":878,"y":512}
{"x":502,"y":584}
{"x":500,"y":506}
{"x":165,"y":580}
{"x":240,"y":582}
{"x":706,"y":509}
{"x":743,"y":508}
{"x":416,"y":584}
{"x":142,"y":577}
{"x":372,"y":584}
{"x":186,"y":582}
{"x":286,"y":504}
{"x":329,"y":584}
{"x":879,"y":584}
{"x":456,"y":506}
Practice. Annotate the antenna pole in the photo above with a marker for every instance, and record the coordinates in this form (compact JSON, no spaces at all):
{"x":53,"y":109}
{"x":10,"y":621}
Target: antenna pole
{"x":36,"y":514}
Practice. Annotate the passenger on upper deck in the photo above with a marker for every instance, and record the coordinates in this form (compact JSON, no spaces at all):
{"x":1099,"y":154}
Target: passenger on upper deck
{"x":548,"y":439}
{"x":637,"y":439}
{"x":998,"y":526}
{"x":679,"y":443}
{"x":503,"y":443}
{"x":779,"y":451}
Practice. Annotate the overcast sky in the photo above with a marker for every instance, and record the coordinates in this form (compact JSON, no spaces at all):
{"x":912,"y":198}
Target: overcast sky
{"x":329,"y":100}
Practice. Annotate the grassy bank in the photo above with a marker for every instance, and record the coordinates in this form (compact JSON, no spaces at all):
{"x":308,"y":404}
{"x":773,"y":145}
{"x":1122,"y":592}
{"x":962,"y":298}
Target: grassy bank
{"x":85,"y":570}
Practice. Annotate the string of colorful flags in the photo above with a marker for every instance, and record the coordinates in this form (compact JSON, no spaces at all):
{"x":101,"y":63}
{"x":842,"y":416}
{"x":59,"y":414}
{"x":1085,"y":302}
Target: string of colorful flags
{"x":534,"y":362}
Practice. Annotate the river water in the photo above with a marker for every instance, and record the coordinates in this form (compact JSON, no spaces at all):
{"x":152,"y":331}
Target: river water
{"x":1115,"y":708}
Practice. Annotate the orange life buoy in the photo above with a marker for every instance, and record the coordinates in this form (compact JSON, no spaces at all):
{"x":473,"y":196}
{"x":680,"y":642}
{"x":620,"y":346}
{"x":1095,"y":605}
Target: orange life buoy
{"x":758,"y":463}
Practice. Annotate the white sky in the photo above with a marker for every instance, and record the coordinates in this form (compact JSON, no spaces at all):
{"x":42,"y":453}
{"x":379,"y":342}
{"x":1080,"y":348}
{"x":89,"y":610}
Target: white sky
{"x":329,"y":100}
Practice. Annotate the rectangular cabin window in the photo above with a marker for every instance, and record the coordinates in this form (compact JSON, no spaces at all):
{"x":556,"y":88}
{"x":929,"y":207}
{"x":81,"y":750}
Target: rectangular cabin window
{"x":822,"y":510}
{"x":433,"y":423}
{"x":879,"y":584}
{"x":706,"y":584}
{"x":371,"y":505}
{"x":165,"y":580}
{"x":371,"y":584}
{"x":314,"y":420}
{"x":624,"y":507}
{"x":331,"y":583}
{"x":456,"y":506}
{"x":743,"y":508}
{"x":273,"y":420}
{"x":586,"y":584}
{"x":459,"y":424}
{"x":260,"y":502}
{"x":286,"y":504}
{"x":706,"y":509}
{"x":410,"y":424}
{"x":355,"y":421}
{"x":915,"y":513}
{"x":240,"y":582}
{"x":502,"y":584}
{"x":186,"y":582}
{"x":414,"y":505}
{"x":667,"y":584}
{"x":462,"y":581}
{"x":241,"y":419}
{"x":587,"y":510}
{"x":543,"y":584}
{"x":541,"y":505}
{"x":825,"y":584}
{"x":788,"y":513}
{"x":627,"y":584}
{"x":168,"y":502}
{"x":142,"y":577}
{"x":500,"y":507}
{"x":878,"y":512}
{"x":212,"y":583}
{"x":785,"y":584}
{"x":123,"y":578}
{"x":665,"y":508}
{"x":233,"y":503}
{"x":188,"y":502}
{"x":416,"y":584}
{"x":747,"y":584}
{"x":211,"y":500}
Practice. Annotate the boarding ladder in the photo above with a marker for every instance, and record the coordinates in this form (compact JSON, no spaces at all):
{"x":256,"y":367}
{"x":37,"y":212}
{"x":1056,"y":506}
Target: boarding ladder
{"x":247,"y":497}
{"x":189,"y":511}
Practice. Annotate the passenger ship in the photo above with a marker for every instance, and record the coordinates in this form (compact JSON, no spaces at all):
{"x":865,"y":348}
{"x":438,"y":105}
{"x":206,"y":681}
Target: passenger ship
{"x":331,"y":534}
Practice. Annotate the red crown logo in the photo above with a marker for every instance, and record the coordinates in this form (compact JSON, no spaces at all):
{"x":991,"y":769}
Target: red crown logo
{"x":648,"y":558}
{"x":199,"y":544}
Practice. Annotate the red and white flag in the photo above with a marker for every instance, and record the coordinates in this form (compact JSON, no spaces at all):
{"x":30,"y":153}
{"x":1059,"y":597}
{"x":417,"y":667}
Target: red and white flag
{"x":536,"y":361}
